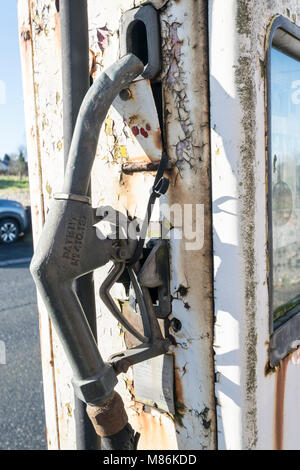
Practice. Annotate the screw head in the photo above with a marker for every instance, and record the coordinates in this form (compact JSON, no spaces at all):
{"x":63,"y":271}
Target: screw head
{"x":125,"y":94}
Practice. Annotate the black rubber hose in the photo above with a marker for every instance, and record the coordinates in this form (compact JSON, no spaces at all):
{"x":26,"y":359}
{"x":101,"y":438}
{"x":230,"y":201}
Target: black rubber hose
{"x":126,"y":439}
{"x":76,"y":82}
{"x":92,"y":114}
{"x":83,"y":113}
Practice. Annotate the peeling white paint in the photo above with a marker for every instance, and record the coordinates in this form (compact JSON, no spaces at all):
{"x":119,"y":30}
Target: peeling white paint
{"x":247,"y":398}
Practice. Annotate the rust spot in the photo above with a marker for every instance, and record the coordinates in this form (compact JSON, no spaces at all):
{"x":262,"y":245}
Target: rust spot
{"x":139,"y":160}
{"x":129,"y":168}
{"x":130,"y":388}
{"x":279,"y":404}
{"x":110,"y":417}
{"x":179,"y":400}
{"x":25,"y":35}
{"x":269,"y":369}
{"x":131,"y":187}
{"x":135,"y":320}
{"x":204,"y":415}
{"x":57,"y":30}
{"x":294,"y":357}
{"x":155,"y":430}
{"x":157,"y":139}
{"x":133,"y":119}
{"x":182,"y":291}
{"x":92,"y":63}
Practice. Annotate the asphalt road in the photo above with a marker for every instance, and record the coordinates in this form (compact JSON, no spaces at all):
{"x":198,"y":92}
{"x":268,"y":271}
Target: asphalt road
{"x":22,"y":421}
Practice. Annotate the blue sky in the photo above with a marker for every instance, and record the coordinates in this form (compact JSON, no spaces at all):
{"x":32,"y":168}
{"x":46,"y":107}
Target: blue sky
{"x":12,"y":127}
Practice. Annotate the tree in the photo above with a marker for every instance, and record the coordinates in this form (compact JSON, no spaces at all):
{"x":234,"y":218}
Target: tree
{"x":6,"y":159}
{"x":22,"y":166}
{"x":17,"y":164}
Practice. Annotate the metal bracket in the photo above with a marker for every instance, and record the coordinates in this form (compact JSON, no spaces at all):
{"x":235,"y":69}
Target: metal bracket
{"x":155,"y":273}
{"x":154,"y":383}
{"x":123,"y":360}
{"x":139,"y":34}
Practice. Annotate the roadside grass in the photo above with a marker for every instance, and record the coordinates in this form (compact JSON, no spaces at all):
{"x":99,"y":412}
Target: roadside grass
{"x":12,"y":184}
{"x":14,"y":188}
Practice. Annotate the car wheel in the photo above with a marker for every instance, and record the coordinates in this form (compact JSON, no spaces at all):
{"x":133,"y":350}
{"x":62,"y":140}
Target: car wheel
{"x":9,"y":231}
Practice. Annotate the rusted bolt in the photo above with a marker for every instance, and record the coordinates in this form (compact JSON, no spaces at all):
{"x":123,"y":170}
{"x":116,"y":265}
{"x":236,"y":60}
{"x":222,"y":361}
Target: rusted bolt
{"x":122,"y":366}
{"x":182,"y":291}
{"x":125,"y":94}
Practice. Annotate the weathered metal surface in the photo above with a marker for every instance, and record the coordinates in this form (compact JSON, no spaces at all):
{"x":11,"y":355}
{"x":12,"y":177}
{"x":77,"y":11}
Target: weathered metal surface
{"x":139,"y":34}
{"x":110,"y":418}
{"x":40,"y":45}
{"x":184,"y":29}
{"x":140,"y":123}
{"x":157,"y":429}
{"x":286,"y":403}
{"x":154,"y":383}
{"x":186,"y":121}
{"x":186,"y":111}
{"x":37,"y":211}
{"x":257,"y":407}
{"x":250,"y":404}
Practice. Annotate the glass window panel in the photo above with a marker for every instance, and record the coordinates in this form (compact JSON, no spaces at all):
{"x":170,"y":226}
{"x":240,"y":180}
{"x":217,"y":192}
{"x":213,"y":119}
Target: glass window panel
{"x":285,"y":136}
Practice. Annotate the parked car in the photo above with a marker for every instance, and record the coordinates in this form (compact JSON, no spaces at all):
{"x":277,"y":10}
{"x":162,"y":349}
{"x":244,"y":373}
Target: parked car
{"x":14,"y":220}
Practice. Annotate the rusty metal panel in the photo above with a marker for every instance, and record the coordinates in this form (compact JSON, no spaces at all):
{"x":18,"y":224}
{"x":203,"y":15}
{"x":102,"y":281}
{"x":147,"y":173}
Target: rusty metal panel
{"x":154,"y":383}
{"x":140,"y":121}
{"x":37,"y":207}
{"x":252,"y":405}
{"x":257,"y":407}
{"x":184,"y":81}
{"x":41,"y":68}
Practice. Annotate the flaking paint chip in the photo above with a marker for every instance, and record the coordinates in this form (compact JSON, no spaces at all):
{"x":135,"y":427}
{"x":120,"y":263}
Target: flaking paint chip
{"x":48,"y":188}
{"x":68,"y":406}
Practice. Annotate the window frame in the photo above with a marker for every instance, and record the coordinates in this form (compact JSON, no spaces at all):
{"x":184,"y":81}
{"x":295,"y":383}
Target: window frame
{"x":284,"y":35}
